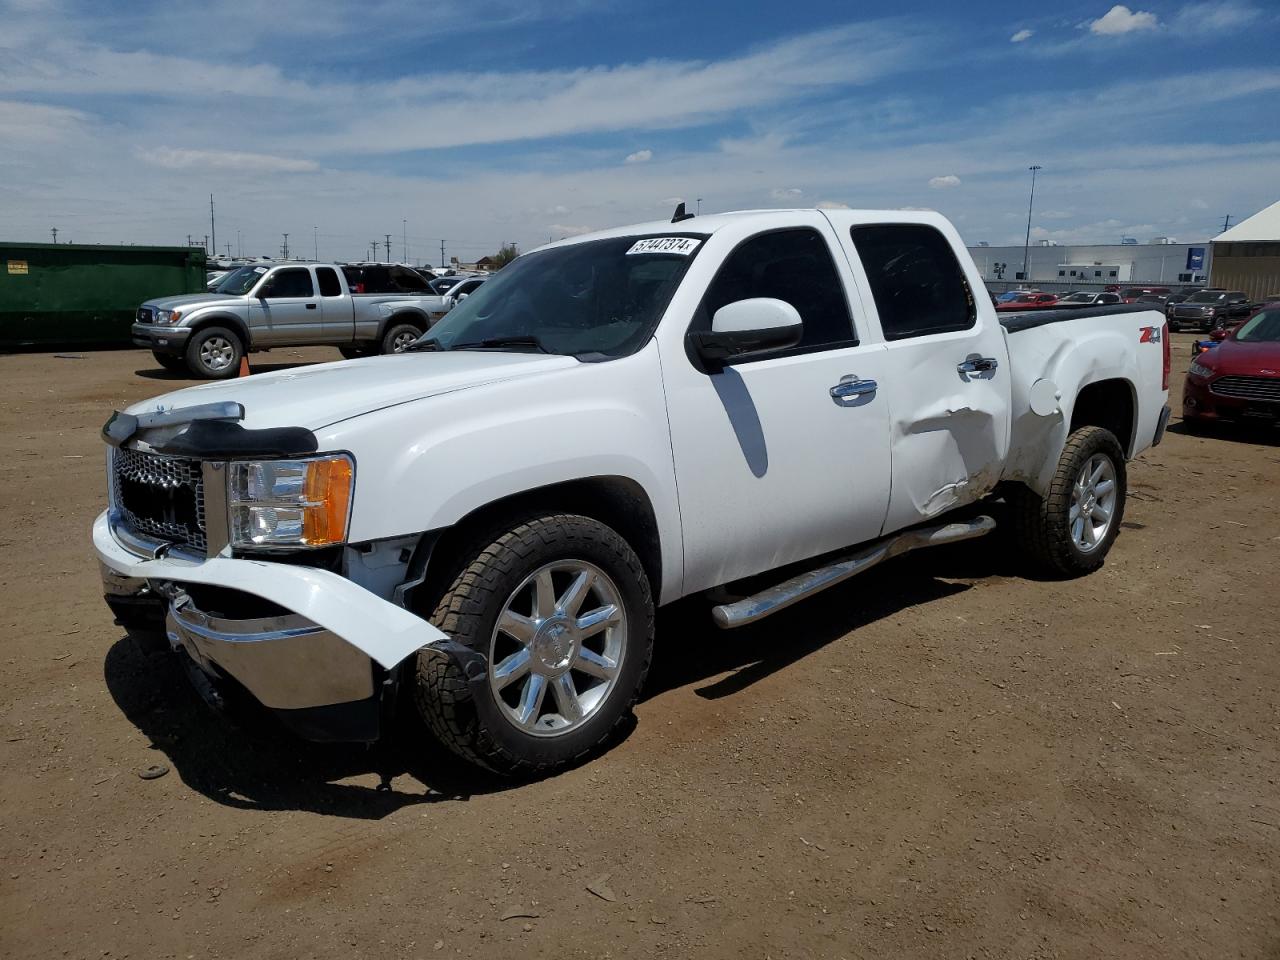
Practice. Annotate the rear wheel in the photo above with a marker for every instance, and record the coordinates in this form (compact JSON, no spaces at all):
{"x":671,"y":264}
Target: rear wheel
{"x":170,"y":361}
{"x":561,"y":611}
{"x":399,"y":336}
{"x":214,"y":353}
{"x":1070,"y":531}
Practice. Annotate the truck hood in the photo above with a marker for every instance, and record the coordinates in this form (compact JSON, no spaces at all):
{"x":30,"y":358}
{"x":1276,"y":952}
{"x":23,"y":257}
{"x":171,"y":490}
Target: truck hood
{"x":316,"y":396}
{"x":188,"y":300}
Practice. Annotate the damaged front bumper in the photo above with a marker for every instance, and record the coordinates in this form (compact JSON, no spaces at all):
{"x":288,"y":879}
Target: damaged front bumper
{"x":307,"y":643}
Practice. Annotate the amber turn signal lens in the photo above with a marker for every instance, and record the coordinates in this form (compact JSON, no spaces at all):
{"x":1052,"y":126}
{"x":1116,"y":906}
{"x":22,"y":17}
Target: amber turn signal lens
{"x":326,"y":495}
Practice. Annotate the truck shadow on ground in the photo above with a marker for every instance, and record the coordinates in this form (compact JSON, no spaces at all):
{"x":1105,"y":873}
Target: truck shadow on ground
{"x":253,"y":763}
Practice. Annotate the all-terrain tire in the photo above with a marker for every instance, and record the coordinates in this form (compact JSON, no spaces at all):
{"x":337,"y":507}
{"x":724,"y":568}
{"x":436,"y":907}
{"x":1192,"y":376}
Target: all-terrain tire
{"x":490,"y":570}
{"x":399,"y":336}
{"x":214,"y":353}
{"x":1042,"y":525}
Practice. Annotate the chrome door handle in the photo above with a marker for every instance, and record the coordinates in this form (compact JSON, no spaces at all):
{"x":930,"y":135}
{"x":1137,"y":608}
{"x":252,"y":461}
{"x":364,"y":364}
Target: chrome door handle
{"x":978,"y":365}
{"x":851,"y":386}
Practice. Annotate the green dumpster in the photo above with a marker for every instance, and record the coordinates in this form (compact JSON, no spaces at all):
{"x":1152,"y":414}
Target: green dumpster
{"x":76,"y":293}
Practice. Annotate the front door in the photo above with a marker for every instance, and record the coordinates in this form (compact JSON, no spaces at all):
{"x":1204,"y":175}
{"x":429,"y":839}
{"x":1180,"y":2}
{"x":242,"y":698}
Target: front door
{"x":287,"y":310}
{"x":771,"y":467}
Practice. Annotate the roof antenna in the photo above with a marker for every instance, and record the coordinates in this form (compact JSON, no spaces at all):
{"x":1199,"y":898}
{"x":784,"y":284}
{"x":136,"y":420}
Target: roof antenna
{"x":680,"y":214}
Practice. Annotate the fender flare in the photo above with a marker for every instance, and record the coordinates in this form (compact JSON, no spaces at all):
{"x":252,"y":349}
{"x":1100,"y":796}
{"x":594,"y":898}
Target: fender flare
{"x":223,"y":320}
{"x":414,"y":315}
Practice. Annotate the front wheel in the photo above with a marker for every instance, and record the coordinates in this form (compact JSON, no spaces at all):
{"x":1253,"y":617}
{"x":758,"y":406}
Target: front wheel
{"x":214,"y":353}
{"x":1070,"y":531}
{"x":560,"y":610}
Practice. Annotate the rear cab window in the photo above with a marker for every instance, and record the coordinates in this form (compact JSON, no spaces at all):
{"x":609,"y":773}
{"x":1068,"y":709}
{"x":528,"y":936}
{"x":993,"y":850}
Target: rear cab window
{"x":327,"y":278}
{"x":918,"y":284}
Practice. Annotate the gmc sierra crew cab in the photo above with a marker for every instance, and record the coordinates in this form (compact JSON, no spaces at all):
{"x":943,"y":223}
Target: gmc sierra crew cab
{"x":265,"y":305}
{"x":486,"y":522}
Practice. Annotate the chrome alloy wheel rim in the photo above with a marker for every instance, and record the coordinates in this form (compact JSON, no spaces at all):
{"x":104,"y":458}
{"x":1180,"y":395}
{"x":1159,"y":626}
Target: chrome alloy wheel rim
{"x":557,"y":648}
{"x":1093,"y":503}
{"x":216,"y":353}
{"x":402,"y":341}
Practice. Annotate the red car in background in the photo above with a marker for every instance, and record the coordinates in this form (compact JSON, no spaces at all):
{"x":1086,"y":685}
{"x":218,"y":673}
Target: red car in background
{"x":1240,"y":378}
{"x":1028,"y":301}
{"x":1131,"y":294}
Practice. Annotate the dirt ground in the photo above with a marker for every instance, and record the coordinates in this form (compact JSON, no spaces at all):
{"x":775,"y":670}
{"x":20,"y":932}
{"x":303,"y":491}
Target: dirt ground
{"x":943,"y":758}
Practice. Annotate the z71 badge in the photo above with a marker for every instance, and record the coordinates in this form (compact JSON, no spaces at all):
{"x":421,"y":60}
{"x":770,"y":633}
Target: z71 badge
{"x":1149,"y":335}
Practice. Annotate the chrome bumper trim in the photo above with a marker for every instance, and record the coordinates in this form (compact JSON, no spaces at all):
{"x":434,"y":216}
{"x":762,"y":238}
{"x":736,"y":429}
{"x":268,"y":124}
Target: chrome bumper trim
{"x":286,"y":662}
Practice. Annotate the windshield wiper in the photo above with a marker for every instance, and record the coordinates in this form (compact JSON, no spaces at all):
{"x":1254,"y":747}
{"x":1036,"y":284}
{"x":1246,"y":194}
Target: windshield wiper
{"x":493,"y":342}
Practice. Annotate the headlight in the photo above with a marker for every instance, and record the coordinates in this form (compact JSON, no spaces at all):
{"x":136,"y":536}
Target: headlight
{"x":290,"y":503}
{"x":168,"y":316}
{"x":1199,"y":369}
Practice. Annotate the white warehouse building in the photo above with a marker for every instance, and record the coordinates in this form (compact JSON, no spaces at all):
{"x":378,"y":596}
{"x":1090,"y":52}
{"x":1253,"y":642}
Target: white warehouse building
{"x":1162,"y":262}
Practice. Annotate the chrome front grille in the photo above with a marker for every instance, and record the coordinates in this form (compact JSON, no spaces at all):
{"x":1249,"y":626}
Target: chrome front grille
{"x":160,"y":497}
{"x":1247,"y":388}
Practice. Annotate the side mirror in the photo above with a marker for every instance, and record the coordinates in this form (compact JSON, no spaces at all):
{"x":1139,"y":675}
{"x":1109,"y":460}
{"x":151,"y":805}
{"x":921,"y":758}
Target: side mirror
{"x":747,"y":327}
{"x":462,"y":296}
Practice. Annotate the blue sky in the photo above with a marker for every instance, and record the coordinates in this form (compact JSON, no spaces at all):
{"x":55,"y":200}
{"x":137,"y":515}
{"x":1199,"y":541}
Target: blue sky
{"x":519,"y":121}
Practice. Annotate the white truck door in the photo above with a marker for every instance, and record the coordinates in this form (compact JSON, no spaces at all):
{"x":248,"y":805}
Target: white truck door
{"x":946,"y":377}
{"x":771,"y":467}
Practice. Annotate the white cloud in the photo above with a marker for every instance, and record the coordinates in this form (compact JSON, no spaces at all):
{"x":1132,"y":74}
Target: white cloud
{"x":786,"y":193}
{"x":832,"y":205}
{"x":1120,"y":19}
{"x":1021,"y":35}
{"x":640,"y":156}
{"x":1216,"y":17}
{"x":569,"y":230}
{"x":173,"y":158}
{"x":944,"y":182}
{"x":36,"y":122}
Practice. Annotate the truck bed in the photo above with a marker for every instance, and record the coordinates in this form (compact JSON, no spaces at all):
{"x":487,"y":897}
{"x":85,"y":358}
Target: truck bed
{"x":1015,"y":321}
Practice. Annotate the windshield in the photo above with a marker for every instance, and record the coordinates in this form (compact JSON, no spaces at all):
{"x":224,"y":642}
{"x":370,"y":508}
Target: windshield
{"x":1206,"y":297}
{"x":239,"y":282}
{"x":1011,"y":295}
{"x":1263,"y":328}
{"x":1079,"y":298}
{"x":600,"y":297}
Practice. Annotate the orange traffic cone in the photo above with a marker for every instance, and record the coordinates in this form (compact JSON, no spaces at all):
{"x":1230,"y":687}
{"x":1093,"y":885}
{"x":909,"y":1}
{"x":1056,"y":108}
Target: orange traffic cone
{"x":244,"y":367}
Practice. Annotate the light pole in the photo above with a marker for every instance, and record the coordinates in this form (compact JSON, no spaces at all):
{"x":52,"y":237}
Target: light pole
{"x":699,"y":207}
{"x":1026,"y":246}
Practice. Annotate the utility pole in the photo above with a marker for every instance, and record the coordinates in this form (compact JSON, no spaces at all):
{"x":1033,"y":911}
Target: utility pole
{"x":1026,"y":246}
{"x":206,"y":243}
{"x":388,"y":236}
{"x":54,"y":231}
{"x":315,"y":239}
{"x":188,"y":239}
{"x":213,"y":230}
{"x":373,"y":247}
{"x":699,"y":208}
{"x":284,"y":250}
{"x":441,"y":254}
{"x":239,"y":248}
{"x":404,"y":236}
{"x":228,"y":249}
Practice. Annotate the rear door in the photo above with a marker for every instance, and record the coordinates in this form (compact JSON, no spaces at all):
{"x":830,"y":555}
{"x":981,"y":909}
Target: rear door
{"x":946,"y":376}
{"x":337,"y":312}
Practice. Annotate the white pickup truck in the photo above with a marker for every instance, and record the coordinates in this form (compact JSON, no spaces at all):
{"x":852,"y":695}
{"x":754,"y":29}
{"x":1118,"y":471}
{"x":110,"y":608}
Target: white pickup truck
{"x":265,"y":305}
{"x":611,"y":423}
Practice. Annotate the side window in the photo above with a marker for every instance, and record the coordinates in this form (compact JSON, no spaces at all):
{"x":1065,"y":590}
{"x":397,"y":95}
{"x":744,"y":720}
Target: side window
{"x":404,"y":280}
{"x":327,"y":277}
{"x":295,"y":282}
{"x":375,"y":280}
{"x":916,"y":280}
{"x":790,"y":265}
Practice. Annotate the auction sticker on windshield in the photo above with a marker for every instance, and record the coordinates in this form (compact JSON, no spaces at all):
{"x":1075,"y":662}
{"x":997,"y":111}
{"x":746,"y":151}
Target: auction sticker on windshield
{"x":679,"y":245}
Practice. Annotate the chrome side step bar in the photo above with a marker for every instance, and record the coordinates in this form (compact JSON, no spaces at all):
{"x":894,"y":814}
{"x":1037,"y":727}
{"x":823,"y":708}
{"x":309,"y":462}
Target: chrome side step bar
{"x":750,"y":609}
